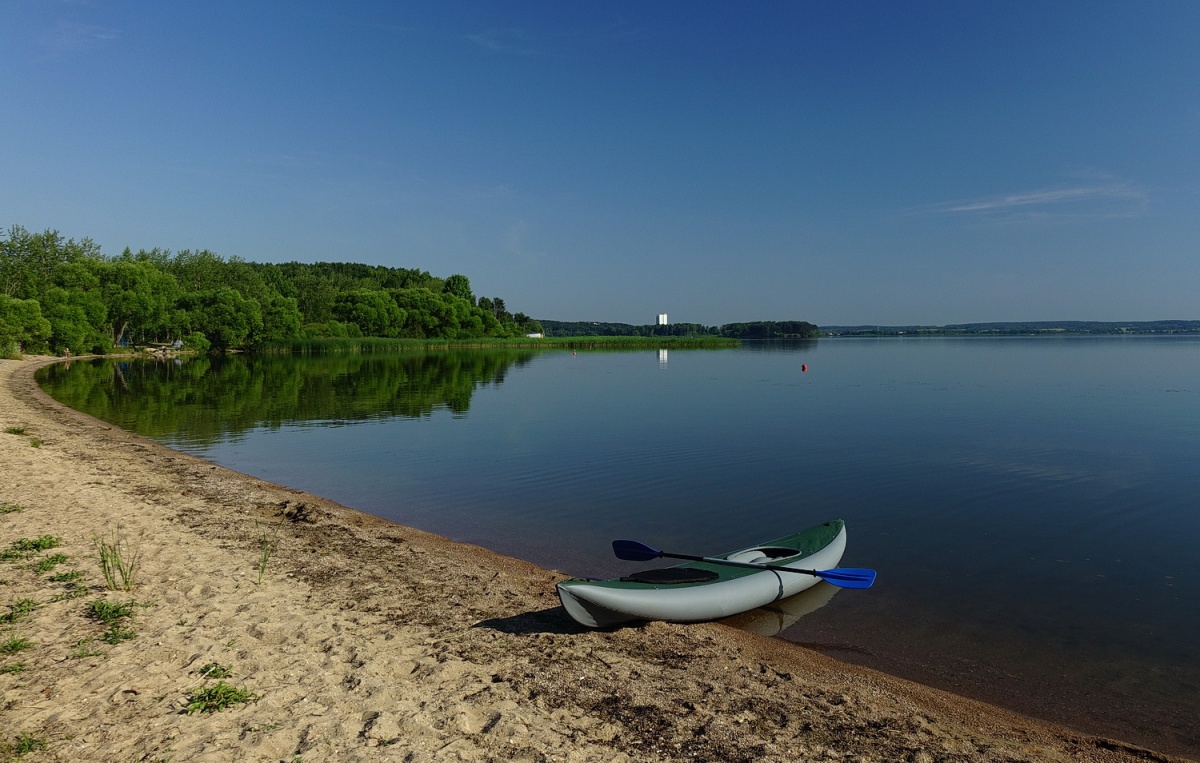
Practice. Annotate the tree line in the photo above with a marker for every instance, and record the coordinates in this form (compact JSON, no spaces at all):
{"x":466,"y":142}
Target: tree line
{"x":61,"y":296}
{"x":747,"y":330}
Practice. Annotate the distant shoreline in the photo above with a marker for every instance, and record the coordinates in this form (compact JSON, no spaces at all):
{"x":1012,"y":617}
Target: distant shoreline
{"x":1022,"y":328}
{"x":759,"y":330}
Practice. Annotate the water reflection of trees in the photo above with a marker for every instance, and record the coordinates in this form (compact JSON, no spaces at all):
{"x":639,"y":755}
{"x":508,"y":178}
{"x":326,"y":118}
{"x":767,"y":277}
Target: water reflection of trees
{"x":202,"y":399}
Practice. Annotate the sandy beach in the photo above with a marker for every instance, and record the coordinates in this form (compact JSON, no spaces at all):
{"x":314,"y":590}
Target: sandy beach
{"x":370,"y":641}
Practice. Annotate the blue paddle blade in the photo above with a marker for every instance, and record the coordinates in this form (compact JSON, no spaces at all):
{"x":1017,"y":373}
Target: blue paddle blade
{"x":633,"y":551}
{"x":848,"y":577}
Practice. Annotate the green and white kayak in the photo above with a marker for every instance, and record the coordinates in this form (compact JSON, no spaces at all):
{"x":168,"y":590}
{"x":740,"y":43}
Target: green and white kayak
{"x":701,"y":590}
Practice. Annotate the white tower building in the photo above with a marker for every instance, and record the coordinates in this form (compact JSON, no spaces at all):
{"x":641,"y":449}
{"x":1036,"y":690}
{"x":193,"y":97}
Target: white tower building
{"x":662,"y":319}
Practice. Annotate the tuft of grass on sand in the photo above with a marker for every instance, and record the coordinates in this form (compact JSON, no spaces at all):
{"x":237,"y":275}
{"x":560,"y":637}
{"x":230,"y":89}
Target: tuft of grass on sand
{"x":216,"y":670}
{"x":84,"y":648}
{"x":109,"y":613}
{"x":9,"y":508}
{"x":14,"y":644}
{"x":13,"y":668}
{"x":117,"y":634}
{"x":14,"y":430}
{"x":73,"y":588}
{"x":23,"y":548}
{"x":115,"y":617}
{"x":19,"y":610}
{"x":266,"y":546}
{"x":24,"y":743}
{"x":215,"y":698}
{"x":118,"y":561}
{"x":73,"y":592}
{"x":49,"y":563}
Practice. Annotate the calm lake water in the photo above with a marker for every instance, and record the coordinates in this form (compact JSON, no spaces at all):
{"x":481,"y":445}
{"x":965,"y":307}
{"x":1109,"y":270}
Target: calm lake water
{"x":1031,"y":505}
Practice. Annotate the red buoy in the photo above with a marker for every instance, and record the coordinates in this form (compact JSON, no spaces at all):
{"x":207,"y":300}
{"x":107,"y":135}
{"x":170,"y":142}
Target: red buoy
{"x":803,"y":368}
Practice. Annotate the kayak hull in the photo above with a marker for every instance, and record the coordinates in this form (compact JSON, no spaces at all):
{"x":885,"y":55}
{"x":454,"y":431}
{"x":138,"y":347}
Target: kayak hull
{"x":606,"y":603}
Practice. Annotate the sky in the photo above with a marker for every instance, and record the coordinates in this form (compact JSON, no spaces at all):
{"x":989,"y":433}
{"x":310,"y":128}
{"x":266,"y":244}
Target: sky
{"x":840,"y":162}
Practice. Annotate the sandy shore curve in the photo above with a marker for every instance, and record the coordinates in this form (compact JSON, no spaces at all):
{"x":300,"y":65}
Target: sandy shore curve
{"x":370,"y":641}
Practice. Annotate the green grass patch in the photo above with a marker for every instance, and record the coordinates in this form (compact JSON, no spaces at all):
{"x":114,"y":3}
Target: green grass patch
{"x":13,"y":669}
{"x":66,"y":577}
{"x":19,"y":610}
{"x":115,"y":617}
{"x":27,"y":547}
{"x":118,"y":561}
{"x":85,"y":648}
{"x":23,"y":744}
{"x":14,"y":644}
{"x":41,"y":543}
{"x":110,"y":613}
{"x":49,"y":563}
{"x":323,"y":346}
{"x":215,"y":698}
{"x":216,"y":670}
{"x":117,"y":634}
{"x":14,"y":430}
{"x":71,"y":593}
{"x":35,"y":442}
{"x":9,"y":508}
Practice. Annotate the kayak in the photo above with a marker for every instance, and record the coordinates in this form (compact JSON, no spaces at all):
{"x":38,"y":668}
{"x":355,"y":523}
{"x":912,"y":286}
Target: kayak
{"x":704,"y":590}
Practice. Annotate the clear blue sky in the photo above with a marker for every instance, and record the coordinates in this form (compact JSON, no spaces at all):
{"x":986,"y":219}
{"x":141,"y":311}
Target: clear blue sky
{"x":839,"y":162}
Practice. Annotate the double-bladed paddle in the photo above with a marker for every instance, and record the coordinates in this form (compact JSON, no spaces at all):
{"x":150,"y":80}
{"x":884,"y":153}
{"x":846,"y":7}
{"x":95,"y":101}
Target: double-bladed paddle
{"x":844,"y":577}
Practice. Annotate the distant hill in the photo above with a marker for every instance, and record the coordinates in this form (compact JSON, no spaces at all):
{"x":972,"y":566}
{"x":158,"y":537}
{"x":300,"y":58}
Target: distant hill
{"x":1021,"y":328}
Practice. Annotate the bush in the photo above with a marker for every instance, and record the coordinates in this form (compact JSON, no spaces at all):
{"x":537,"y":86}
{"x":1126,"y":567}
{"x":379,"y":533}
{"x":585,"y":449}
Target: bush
{"x":197,"y":341}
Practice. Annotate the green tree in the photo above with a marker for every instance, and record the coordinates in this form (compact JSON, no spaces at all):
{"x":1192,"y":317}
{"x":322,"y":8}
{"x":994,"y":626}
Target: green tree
{"x":281,"y":318}
{"x":76,"y":319}
{"x":226,"y":318}
{"x":138,"y":295}
{"x":527,"y":325}
{"x":21,"y":323}
{"x":315,"y":295}
{"x":159,"y":258}
{"x":30,"y":262}
{"x":375,"y":312}
{"x":198,"y":271}
{"x":427,"y":315}
{"x":459,"y":286}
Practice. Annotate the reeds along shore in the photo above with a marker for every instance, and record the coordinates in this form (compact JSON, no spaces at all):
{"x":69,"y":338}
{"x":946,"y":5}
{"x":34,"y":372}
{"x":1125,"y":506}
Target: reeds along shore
{"x":355,"y":639}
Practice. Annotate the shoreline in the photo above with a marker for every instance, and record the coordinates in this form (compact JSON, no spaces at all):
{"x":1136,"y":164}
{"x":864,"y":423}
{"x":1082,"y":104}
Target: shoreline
{"x":368,"y":640}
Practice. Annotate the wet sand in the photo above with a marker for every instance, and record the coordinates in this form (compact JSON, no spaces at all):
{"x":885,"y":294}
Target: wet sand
{"x":367,"y":640}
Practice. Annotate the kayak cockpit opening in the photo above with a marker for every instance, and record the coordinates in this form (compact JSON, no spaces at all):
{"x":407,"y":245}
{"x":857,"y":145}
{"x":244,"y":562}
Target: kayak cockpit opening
{"x":763,"y":554}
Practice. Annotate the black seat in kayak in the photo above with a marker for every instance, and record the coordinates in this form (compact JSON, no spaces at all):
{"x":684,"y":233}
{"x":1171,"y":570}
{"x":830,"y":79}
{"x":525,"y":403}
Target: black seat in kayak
{"x":671,"y":575}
